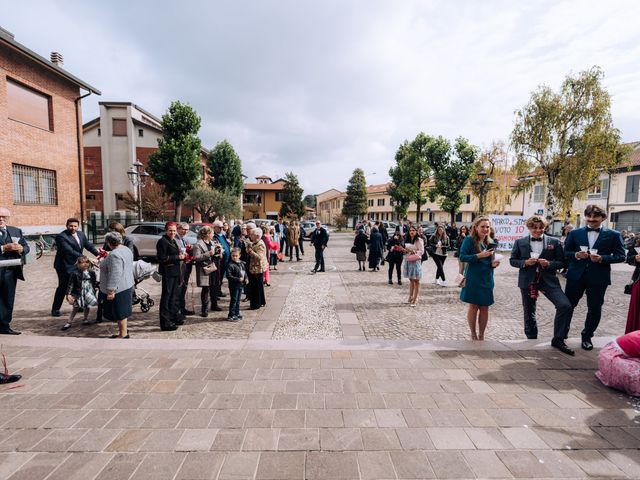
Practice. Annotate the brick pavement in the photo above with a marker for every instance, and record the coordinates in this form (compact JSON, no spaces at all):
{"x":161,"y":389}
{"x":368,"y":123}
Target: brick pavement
{"x":100,"y":409}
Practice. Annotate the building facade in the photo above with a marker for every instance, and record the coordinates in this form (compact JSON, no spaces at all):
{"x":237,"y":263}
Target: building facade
{"x":40,"y":138}
{"x":121,"y":135}
{"x":262,"y":199}
{"x":329,"y":204}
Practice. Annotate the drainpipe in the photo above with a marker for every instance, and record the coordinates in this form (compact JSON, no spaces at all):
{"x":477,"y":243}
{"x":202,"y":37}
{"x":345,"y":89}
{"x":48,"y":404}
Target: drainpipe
{"x":80,"y":156}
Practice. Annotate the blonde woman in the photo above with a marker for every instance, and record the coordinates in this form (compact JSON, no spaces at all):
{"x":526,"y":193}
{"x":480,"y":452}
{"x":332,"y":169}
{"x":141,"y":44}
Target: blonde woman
{"x":477,"y":252}
{"x":258,"y":264}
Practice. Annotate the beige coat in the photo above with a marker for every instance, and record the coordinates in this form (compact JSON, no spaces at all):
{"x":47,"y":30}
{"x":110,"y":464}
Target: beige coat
{"x":258,"y":257}
{"x":293,"y":234}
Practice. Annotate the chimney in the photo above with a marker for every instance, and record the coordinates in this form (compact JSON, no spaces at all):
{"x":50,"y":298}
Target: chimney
{"x":56,"y":59}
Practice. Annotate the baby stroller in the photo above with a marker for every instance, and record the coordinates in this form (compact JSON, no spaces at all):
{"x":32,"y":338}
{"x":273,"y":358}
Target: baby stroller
{"x":141,"y":271}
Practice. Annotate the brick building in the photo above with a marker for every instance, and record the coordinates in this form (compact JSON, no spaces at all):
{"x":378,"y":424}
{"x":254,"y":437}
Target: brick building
{"x":40,"y":138}
{"x":122,"y":134}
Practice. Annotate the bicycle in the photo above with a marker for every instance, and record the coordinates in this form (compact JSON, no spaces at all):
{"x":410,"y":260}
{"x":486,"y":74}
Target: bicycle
{"x":43,"y":246}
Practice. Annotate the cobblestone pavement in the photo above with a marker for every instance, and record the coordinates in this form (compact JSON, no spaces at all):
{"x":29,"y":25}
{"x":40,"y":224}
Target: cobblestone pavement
{"x":365,"y":306}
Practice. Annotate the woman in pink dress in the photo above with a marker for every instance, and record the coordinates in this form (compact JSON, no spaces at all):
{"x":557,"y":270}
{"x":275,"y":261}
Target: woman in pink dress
{"x":633,"y":316}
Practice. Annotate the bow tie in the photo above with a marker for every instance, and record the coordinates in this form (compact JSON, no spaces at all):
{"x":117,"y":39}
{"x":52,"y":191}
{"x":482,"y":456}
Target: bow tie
{"x":536,"y":239}
{"x":597,"y":230}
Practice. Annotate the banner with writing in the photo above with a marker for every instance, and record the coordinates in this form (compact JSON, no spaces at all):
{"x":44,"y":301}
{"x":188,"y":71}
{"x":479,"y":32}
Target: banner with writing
{"x":508,"y":229}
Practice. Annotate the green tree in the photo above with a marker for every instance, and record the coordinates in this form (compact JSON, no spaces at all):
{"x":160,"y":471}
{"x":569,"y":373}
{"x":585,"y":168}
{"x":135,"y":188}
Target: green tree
{"x":410,"y":173}
{"x":567,"y":136}
{"x":452,"y":168}
{"x":495,"y":162}
{"x":176,"y":164}
{"x":225,"y":169}
{"x":355,"y":203}
{"x":292,"y":206}
{"x":309,"y":201}
{"x":212,"y":203}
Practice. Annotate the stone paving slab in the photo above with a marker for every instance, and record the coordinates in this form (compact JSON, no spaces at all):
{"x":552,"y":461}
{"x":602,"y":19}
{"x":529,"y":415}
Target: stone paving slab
{"x":93,"y":410}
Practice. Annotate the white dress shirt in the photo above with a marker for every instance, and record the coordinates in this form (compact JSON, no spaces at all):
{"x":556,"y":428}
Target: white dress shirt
{"x":593,"y":237}
{"x":536,"y":247}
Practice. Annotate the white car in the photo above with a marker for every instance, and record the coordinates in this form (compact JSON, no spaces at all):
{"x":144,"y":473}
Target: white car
{"x":145,"y":236}
{"x":309,"y":227}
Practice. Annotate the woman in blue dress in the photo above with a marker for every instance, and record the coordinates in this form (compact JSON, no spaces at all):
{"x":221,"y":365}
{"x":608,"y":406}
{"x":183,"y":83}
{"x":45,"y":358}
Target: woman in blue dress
{"x":477,"y":252}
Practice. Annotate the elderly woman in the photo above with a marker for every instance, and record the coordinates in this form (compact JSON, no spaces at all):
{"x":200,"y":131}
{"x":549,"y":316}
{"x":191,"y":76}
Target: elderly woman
{"x":206,"y":255}
{"x":126,"y":241}
{"x":257,"y":266}
{"x":116,"y":283}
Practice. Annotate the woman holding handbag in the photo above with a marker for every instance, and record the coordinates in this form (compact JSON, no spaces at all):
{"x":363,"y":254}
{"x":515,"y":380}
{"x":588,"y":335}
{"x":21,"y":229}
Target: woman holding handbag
{"x":205,"y":252}
{"x":633,"y":316}
{"x":413,"y":249}
{"x":360,"y":248}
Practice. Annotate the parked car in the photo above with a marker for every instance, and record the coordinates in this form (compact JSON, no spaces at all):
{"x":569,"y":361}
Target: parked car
{"x":195,"y":226}
{"x":258,"y":221}
{"x":145,"y":236}
{"x":390,"y":226}
{"x":427,"y":228}
{"x":309,"y":227}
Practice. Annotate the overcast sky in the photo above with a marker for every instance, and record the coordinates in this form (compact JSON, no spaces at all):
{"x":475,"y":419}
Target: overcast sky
{"x":322,"y":87}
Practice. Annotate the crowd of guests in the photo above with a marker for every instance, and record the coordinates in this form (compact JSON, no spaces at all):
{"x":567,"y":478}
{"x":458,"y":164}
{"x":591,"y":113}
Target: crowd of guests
{"x":240,"y":256}
{"x":584,"y":254}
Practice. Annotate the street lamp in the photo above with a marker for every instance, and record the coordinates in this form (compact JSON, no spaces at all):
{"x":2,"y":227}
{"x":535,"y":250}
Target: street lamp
{"x":484,"y":184}
{"x":138,"y":178}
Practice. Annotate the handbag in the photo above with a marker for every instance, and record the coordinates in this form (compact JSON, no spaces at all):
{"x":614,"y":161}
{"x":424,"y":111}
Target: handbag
{"x":414,"y":257}
{"x":461,"y":280}
{"x":209,"y":268}
{"x":629,"y":286}
{"x":353,"y":249}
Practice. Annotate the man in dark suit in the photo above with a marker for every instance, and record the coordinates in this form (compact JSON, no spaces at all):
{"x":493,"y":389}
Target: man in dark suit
{"x":13,"y":248}
{"x":181,"y":239}
{"x":319,"y":239}
{"x":590,"y":252}
{"x":538,"y":257}
{"x":169,"y":266}
{"x":70,"y":244}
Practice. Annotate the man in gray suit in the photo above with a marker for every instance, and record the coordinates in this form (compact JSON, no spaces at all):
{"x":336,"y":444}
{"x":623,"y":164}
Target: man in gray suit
{"x":538,"y":257}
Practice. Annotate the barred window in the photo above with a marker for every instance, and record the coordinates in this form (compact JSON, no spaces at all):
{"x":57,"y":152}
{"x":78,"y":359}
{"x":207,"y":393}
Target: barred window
{"x":35,"y":186}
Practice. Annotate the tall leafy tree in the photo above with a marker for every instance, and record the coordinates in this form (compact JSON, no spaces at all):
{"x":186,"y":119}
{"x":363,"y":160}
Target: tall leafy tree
{"x":452,"y":168}
{"x":567,"y":136}
{"x":225,"y":169}
{"x":495,"y":162}
{"x":410,"y":173}
{"x":355,"y":203}
{"x":309,"y":201}
{"x":176,"y":164}
{"x":212,"y":203}
{"x":292,"y":206}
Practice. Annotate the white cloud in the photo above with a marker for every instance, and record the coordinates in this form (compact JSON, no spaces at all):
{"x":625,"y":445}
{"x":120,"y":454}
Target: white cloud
{"x":320,"y":88}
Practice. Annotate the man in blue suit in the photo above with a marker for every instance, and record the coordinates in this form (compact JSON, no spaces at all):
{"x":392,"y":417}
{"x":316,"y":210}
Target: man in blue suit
{"x":70,"y":244}
{"x":539,"y":257}
{"x":590,"y":252}
{"x":14,"y":247}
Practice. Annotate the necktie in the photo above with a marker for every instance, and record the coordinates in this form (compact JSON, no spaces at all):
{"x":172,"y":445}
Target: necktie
{"x":3,"y":235}
{"x":597,"y":230}
{"x":536,"y":239}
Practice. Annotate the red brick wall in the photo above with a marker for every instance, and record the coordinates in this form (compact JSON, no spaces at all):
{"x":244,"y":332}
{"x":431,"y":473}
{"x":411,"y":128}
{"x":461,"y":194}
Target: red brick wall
{"x":55,"y":150}
{"x":93,"y":178}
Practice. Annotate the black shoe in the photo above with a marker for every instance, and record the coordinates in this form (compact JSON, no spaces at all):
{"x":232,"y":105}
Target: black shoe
{"x":399,"y":282}
{"x":390,"y":282}
{"x":179,"y":321}
{"x":560,"y":345}
{"x":55,"y":313}
{"x":586,"y":344}
{"x":313,"y":271}
{"x":9,"y":378}
{"x":321,"y":271}
{"x":222,"y":295}
{"x":169,"y":328}
{"x":216,"y":308}
{"x":188,"y":312}
{"x":8,"y":331}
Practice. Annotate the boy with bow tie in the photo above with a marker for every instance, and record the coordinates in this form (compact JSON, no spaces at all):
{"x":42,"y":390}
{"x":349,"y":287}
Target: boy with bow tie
{"x":590,"y":252}
{"x":538,"y":257}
